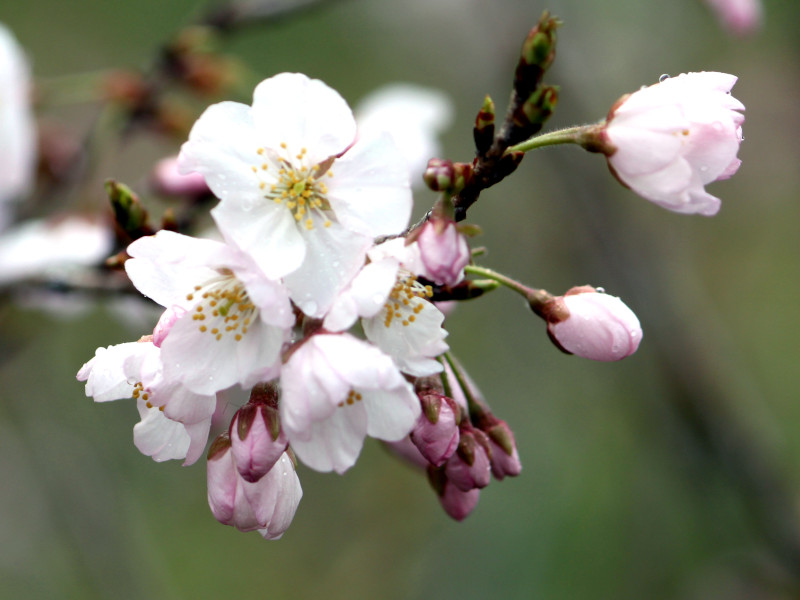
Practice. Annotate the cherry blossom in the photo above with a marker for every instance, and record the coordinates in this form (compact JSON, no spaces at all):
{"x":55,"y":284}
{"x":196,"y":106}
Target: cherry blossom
{"x":337,"y":389}
{"x":298,"y":193}
{"x":669,"y":140}
{"x":235,"y":321}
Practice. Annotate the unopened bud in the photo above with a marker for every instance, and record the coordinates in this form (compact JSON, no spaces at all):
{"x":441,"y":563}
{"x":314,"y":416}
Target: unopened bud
{"x":443,"y":250}
{"x":505,"y":458}
{"x":592,"y":324}
{"x":457,"y":503}
{"x":444,"y":175}
{"x":257,"y":441}
{"x":470,"y":466}
{"x":436,"y":433}
{"x":539,"y":48}
{"x":130,"y":214}
{"x":483,"y":132}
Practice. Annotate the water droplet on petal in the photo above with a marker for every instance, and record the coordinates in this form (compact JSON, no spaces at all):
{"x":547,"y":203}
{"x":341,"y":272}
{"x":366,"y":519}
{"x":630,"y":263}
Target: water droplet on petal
{"x":663,"y":78}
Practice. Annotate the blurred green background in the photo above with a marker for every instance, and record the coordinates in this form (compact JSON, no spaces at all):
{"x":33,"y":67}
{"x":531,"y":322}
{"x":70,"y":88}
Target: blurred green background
{"x":673,"y":474}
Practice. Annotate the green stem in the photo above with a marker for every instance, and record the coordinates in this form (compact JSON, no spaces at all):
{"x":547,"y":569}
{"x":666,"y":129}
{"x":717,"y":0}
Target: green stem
{"x":533,"y":296}
{"x":579,"y":134}
{"x":477,"y":409}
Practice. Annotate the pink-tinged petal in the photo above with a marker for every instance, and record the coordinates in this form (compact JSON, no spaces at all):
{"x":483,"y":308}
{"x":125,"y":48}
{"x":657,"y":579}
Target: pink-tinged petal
{"x":370,"y":191}
{"x":167,"y":180}
{"x":222,"y":483}
{"x":333,"y":257}
{"x":223,"y":146}
{"x":360,"y":364}
{"x":275,"y":498}
{"x":292,"y":109}
{"x":739,"y":17}
{"x":159,"y":437}
{"x":335,"y":443}
{"x":264,"y":230}
{"x":669,"y":162}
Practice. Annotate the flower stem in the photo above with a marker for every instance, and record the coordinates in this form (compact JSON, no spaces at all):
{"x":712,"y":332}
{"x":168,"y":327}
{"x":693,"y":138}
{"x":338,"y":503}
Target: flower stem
{"x":571,"y":135}
{"x":534,"y":297}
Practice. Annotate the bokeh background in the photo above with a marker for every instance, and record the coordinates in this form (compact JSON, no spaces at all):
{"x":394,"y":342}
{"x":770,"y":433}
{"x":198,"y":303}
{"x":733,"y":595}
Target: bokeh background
{"x":674,"y":474}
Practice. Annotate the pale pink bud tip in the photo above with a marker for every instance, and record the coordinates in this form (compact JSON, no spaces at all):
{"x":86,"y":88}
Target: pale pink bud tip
{"x":444,"y":251}
{"x":740,"y":17}
{"x":596,"y":326}
{"x":257,"y":441}
{"x":458,"y":503}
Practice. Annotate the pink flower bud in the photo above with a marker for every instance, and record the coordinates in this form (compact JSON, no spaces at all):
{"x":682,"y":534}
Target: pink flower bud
{"x":504,"y":456}
{"x":470,"y":466}
{"x":257,"y":441}
{"x":667,"y":141}
{"x":267,"y":505}
{"x":443,"y":250}
{"x":458,"y":503}
{"x":165,"y":323}
{"x":436,"y":433}
{"x":593,"y":325}
{"x":167,"y":180}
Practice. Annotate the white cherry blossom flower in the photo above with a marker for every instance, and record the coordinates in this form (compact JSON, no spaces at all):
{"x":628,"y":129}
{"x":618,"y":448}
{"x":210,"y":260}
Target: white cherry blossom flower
{"x":298,"y":193}
{"x":408,"y":327}
{"x":235,"y":321}
{"x":336,"y":390}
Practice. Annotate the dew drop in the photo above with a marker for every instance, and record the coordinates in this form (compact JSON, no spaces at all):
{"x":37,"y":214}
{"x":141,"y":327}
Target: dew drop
{"x":663,"y":78}
{"x":601,"y":290}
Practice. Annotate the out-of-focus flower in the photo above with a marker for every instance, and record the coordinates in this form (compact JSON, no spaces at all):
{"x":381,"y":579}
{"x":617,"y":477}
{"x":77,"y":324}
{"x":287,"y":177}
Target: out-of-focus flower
{"x":592,"y":324}
{"x":167,"y":180}
{"x":336,"y":390}
{"x":267,"y":505}
{"x":740,"y":17}
{"x":17,"y":126}
{"x":51,"y":248}
{"x":414,"y":116}
{"x":298,"y":193}
{"x":667,"y":141}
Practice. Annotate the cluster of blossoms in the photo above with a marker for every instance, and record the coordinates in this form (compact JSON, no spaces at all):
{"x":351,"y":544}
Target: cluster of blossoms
{"x":296,"y":302}
{"x":319,"y":300}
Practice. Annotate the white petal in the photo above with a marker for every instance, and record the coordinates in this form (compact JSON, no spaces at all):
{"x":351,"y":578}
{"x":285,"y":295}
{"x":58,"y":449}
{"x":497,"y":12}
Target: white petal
{"x":333,"y":257}
{"x":300,"y":112}
{"x":370,"y":191}
{"x":335,"y":443}
{"x":157,"y":436}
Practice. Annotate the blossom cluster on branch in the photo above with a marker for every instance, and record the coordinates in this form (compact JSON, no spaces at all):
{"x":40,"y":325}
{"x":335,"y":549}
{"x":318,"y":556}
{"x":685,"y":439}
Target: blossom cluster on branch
{"x":317,"y":298}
